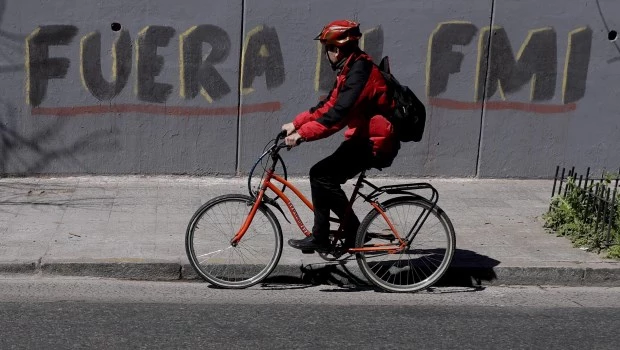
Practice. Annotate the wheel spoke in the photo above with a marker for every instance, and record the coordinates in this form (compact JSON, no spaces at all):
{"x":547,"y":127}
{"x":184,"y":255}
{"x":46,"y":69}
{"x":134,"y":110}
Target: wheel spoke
{"x":214,"y":258}
{"x":409,"y":269}
{"x":211,"y":253}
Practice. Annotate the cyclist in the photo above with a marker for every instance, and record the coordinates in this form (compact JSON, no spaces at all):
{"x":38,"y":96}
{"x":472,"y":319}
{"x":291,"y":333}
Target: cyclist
{"x":357,"y":100}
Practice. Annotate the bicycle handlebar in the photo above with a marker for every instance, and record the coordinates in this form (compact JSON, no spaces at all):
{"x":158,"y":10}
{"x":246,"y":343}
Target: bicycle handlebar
{"x":281,"y":135}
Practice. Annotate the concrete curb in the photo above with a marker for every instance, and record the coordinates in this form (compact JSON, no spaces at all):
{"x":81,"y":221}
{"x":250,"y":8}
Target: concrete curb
{"x":156,"y":271}
{"x":333,"y":273}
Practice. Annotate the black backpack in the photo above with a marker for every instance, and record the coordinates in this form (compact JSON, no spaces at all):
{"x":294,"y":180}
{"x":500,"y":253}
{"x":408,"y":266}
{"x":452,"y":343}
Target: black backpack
{"x":409,"y":115}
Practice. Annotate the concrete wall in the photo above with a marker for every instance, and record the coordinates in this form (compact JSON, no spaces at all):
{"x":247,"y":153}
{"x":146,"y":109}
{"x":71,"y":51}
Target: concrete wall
{"x":512,"y":87}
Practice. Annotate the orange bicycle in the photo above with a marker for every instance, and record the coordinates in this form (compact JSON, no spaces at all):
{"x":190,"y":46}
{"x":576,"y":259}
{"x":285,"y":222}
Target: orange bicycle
{"x":404,"y":244}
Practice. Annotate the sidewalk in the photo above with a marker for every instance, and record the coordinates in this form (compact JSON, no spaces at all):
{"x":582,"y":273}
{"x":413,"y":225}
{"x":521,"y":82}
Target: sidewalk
{"x":134,"y":227}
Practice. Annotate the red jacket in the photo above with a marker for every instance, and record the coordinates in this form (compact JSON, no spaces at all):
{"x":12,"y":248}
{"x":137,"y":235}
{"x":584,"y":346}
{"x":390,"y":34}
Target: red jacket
{"x":358,"y":100}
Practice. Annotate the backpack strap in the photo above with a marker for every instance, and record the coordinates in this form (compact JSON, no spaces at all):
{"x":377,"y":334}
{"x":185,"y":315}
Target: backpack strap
{"x":384,"y":66}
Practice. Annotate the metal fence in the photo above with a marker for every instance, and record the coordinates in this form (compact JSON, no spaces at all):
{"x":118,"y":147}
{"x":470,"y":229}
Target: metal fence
{"x":598,"y":198}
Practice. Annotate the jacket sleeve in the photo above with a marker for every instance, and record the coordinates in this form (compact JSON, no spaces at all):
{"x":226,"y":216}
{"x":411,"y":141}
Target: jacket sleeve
{"x":307,"y":116}
{"x":330,"y":118}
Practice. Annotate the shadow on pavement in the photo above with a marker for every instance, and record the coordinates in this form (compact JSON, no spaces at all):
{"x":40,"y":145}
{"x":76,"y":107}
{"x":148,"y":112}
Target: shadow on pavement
{"x":468,"y":270}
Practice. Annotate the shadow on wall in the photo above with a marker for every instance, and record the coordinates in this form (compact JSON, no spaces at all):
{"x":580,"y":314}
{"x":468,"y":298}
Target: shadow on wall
{"x":23,"y":155}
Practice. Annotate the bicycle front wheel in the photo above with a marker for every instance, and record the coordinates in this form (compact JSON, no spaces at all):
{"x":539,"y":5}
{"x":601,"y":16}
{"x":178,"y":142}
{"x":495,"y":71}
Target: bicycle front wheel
{"x":214,"y":258}
{"x":425,"y":259}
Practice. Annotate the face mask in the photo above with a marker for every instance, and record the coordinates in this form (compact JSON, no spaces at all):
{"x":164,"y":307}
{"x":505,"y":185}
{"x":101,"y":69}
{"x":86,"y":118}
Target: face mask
{"x":334,"y":65}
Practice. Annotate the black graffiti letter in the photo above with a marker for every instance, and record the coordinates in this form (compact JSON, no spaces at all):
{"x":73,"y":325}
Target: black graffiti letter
{"x":325,"y":75}
{"x":39,"y":66}
{"x":150,"y":64}
{"x":536,"y":60}
{"x":196,"y":73}
{"x":576,"y":66}
{"x":372,"y":43}
{"x":92,"y":77}
{"x":442,"y":60}
{"x":262,"y":55}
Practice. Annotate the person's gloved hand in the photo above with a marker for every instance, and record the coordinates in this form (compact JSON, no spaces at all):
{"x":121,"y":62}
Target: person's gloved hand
{"x":292,"y":140}
{"x":290,"y":128}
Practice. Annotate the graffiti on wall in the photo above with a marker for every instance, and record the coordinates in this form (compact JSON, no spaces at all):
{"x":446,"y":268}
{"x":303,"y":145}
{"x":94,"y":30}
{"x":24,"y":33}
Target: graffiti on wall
{"x":503,"y":73}
{"x":37,"y":144}
{"x":535,"y":64}
{"x":198,"y":75}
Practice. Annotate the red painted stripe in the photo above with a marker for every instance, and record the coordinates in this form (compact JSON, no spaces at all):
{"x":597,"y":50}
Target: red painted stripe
{"x":503,"y":105}
{"x":155,"y":109}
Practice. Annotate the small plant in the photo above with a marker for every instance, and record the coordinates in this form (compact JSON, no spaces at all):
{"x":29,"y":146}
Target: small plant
{"x":574,"y":215}
{"x":614,"y":250}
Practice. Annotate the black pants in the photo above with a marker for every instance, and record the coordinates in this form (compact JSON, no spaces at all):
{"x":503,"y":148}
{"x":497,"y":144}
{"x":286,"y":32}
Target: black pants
{"x":326,"y":176}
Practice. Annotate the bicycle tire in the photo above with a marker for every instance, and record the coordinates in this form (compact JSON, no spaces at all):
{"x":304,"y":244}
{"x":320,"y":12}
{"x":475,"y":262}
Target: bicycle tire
{"x":223,"y":264}
{"x":406,"y":275}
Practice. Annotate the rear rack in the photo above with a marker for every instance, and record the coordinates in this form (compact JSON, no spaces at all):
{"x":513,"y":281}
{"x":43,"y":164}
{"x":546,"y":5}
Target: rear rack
{"x":406,"y":189}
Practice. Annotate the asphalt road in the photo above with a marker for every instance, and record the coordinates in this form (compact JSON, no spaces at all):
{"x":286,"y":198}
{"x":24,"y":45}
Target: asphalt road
{"x":107,"y":314}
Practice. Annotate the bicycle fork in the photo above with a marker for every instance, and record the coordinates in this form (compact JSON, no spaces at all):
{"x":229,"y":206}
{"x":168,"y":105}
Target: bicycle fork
{"x":248,"y":221}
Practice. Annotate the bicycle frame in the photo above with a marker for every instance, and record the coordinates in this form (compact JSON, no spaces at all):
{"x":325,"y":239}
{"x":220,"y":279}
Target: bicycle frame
{"x":268,"y":184}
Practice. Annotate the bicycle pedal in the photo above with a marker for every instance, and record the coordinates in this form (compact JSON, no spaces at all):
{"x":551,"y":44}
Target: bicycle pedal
{"x":307,"y":251}
{"x":338,"y":253}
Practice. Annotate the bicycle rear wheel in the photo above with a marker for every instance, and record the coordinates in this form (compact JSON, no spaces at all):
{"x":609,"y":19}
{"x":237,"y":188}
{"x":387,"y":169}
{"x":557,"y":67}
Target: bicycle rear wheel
{"x":423,"y":261}
{"x":208,"y":247}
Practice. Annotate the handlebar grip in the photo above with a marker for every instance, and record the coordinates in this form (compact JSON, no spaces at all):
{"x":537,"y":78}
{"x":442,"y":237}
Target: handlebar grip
{"x":282,"y":134}
{"x":283,"y":144}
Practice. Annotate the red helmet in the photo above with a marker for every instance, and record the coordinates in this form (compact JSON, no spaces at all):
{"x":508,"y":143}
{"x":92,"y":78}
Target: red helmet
{"x":339,"y":33}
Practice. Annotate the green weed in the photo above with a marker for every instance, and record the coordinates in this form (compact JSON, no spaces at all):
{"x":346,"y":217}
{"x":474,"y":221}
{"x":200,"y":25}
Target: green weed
{"x":574,"y":215}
